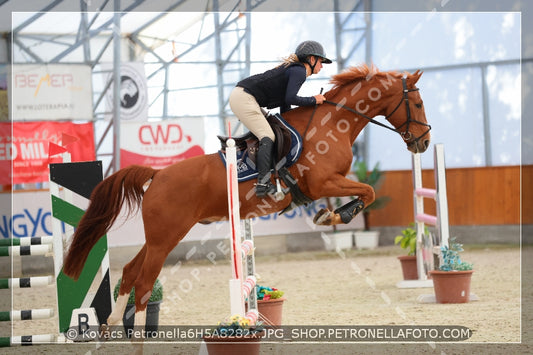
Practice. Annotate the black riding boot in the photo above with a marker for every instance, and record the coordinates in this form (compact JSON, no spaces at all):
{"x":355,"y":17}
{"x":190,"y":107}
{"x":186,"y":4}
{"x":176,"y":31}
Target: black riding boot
{"x":264,"y":163}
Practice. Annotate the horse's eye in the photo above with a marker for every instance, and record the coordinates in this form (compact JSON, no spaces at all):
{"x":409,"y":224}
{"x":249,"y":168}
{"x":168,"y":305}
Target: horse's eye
{"x":418,"y":105}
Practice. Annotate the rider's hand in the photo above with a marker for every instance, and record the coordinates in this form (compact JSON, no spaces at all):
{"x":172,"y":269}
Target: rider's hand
{"x":319,"y":99}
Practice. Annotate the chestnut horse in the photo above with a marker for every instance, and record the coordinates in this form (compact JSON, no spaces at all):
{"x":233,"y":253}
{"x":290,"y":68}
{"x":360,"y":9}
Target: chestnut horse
{"x":194,"y":190}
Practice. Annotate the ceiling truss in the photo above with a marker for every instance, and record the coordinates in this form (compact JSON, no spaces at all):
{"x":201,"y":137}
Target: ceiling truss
{"x":94,"y":37}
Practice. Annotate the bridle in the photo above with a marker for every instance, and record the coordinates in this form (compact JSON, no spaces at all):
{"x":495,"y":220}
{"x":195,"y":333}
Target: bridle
{"x":406,"y":134}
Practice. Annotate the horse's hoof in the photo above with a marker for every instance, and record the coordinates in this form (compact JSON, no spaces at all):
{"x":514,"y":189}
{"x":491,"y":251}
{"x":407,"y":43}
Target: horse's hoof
{"x":323,"y":217}
{"x":104,"y":331}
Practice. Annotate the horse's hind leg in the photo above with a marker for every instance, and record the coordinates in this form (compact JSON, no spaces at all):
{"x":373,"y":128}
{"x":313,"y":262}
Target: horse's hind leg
{"x":148,"y":273}
{"x":129,"y":274}
{"x":144,"y":283}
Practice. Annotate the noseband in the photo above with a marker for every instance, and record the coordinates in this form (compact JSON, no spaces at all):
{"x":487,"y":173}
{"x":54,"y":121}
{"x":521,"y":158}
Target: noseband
{"x":406,"y":134}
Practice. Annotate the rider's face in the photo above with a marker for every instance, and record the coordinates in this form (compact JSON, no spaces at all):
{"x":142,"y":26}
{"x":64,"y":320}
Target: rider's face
{"x":318,"y":65}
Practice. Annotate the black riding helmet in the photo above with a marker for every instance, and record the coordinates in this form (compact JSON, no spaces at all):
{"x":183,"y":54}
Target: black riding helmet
{"x":308,"y":48}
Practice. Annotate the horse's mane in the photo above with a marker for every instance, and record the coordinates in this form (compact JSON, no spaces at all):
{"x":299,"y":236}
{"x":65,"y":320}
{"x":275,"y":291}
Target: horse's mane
{"x":356,"y":74}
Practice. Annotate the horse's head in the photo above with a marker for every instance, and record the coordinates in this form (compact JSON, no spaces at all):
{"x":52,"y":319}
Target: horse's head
{"x":366,"y":92}
{"x":406,"y":113}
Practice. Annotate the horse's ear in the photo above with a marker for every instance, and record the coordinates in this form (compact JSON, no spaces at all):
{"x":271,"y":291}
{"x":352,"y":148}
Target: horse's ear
{"x":413,"y":78}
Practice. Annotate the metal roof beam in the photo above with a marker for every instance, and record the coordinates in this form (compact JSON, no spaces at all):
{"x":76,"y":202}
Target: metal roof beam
{"x":169,"y":9}
{"x":98,"y":12}
{"x":201,"y":41}
{"x":101,"y":53}
{"x":27,"y":50}
{"x":92,"y":33}
{"x":82,"y":32}
{"x":138,"y":41}
{"x":37,"y":15}
{"x":44,"y":38}
{"x":225,"y":24}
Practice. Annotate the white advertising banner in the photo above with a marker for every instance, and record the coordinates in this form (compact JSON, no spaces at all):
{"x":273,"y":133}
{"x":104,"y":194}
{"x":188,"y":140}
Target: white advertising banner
{"x":160,"y":144}
{"x":133,"y":92}
{"x":32,"y":217}
{"x":51,"y":92}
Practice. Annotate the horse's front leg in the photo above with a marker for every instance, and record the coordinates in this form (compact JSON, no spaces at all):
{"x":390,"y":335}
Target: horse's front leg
{"x":340,"y":187}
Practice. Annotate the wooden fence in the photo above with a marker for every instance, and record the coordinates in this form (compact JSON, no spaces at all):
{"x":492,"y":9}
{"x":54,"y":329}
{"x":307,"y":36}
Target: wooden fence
{"x":476,"y":196}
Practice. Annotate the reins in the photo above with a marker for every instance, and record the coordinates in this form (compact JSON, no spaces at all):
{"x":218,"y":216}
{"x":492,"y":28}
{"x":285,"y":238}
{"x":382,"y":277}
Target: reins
{"x":370,"y":119}
{"x":406,"y":135}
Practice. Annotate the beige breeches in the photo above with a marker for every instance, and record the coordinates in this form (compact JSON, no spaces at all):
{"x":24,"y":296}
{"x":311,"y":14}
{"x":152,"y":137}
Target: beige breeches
{"x":247,"y":110}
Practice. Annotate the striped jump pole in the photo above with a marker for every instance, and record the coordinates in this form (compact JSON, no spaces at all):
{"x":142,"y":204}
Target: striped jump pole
{"x":26,"y":246}
{"x":425,"y":248}
{"x":27,"y":340}
{"x":26,"y":282}
{"x":249,"y":257}
{"x":240,"y":287}
{"x":27,"y":241}
{"x":26,"y":250}
{"x":29,"y":314}
{"x":21,"y":247}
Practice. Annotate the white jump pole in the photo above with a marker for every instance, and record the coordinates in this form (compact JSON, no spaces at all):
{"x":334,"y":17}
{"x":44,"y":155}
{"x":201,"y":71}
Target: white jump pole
{"x":239,"y":287}
{"x":235,"y":284}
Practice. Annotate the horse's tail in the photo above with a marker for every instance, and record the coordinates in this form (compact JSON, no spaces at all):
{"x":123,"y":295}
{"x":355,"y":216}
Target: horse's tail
{"x":107,"y":199}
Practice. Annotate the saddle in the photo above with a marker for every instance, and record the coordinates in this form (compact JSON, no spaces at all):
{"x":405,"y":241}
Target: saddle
{"x":287,"y":150}
{"x":250,"y":143}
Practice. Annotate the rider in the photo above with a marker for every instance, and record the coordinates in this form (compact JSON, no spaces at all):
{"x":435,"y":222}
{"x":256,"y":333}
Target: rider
{"x":276,"y":87}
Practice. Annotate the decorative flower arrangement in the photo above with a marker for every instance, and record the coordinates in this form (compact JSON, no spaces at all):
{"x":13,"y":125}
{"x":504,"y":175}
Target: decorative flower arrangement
{"x":237,"y":326}
{"x":268,"y":293}
{"x":450,"y":257}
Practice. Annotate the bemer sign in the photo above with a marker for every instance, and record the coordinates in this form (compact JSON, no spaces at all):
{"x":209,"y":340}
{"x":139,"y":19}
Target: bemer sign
{"x":51,"y":92}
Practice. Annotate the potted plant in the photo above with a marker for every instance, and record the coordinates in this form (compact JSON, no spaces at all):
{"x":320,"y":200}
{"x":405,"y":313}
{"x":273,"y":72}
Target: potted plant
{"x":270,"y":305}
{"x":152,"y":309}
{"x":368,"y":239}
{"x":451,"y":281}
{"x":235,"y":335}
{"x":407,"y":241}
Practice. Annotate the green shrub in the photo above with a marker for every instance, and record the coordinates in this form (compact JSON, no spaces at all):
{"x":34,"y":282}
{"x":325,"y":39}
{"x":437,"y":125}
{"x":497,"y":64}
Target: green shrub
{"x":157,"y":292}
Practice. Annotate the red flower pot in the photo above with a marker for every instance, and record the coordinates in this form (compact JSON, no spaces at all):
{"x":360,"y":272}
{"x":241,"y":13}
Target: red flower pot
{"x":451,"y":286}
{"x":220,"y":345}
{"x":409,"y":269}
{"x":270,"y":311}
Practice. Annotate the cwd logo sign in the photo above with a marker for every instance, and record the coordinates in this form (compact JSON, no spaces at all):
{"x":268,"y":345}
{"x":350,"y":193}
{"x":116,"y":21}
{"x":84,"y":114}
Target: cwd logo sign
{"x":159,"y":144}
{"x":162,"y":134}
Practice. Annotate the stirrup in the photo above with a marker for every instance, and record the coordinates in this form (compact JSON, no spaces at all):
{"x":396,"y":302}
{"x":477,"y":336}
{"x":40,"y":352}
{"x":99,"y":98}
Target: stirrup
{"x":261,"y":190}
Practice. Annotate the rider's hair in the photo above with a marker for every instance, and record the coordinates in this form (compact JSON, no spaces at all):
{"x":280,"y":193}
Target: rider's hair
{"x":291,"y":58}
